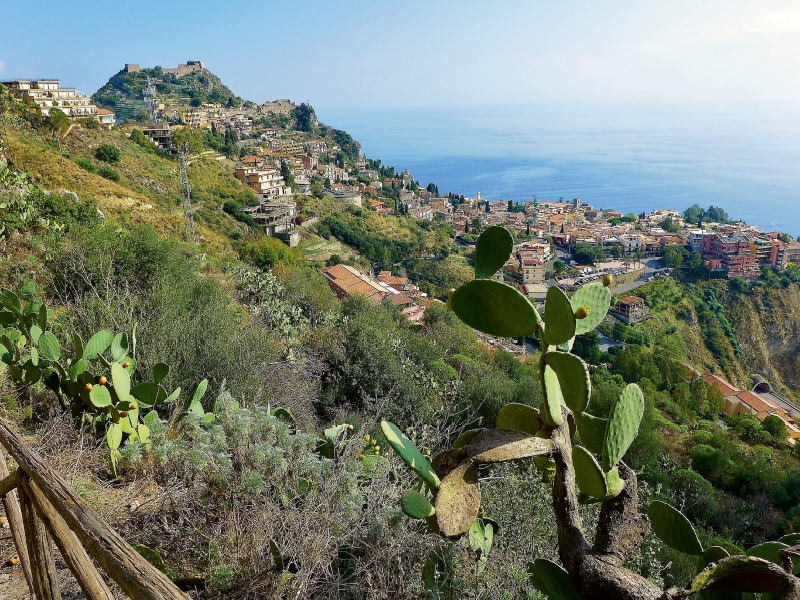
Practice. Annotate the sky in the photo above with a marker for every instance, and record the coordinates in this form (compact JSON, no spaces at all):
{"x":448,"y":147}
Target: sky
{"x":419,"y":53}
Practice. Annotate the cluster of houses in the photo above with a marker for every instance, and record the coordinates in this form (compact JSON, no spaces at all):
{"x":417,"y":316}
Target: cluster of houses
{"x":345,"y":281}
{"x":741,"y":250}
{"x":47,"y":94}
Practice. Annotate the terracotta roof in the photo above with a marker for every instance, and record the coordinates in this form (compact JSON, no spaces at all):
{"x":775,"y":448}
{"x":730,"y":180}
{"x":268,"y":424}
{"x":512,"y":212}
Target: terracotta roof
{"x":758,"y":403}
{"x":726,"y":388}
{"x":105,"y":111}
{"x":400,"y":300}
{"x":353,"y":281}
{"x":630,"y":300}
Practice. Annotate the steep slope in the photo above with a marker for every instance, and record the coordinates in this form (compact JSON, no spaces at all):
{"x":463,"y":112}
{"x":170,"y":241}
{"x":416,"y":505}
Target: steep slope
{"x":124,"y":92}
{"x":768,"y":324}
{"x":148,"y":189}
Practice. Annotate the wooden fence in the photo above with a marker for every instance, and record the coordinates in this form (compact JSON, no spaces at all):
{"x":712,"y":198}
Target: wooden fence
{"x":41,"y":509}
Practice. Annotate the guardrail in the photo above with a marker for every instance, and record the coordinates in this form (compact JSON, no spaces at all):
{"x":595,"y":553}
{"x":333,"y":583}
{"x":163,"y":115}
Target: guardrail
{"x":42,"y":508}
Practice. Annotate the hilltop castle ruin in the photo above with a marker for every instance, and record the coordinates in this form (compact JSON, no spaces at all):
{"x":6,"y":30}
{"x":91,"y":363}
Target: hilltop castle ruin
{"x":190,"y":66}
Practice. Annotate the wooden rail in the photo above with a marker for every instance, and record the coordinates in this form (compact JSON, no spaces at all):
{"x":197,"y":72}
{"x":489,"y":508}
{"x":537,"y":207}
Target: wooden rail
{"x":41,"y":509}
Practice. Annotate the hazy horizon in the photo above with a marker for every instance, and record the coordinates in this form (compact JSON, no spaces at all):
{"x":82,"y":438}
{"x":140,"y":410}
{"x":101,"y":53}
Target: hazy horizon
{"x":417,"y":54}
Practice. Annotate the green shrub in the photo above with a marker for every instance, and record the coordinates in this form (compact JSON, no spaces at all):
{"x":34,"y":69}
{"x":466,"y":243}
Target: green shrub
{"x":86,"y":165}
{"x":90,"y":123}
{"x":139,"y":138}
{"x":65,"y":210}
{"x":108,"y":173}
{"x":108,"y":153}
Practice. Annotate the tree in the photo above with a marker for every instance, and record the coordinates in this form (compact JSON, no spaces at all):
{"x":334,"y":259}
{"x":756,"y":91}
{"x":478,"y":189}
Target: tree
{"x":108,"y":153}
{"x":775,"y":426}
{"x":587,"y":254}
{"x":693,"y":214}
{"x":559,"y":266}
{"x":288,"y":178}
{"x":188,"y":139}
{"x":59,"y":123}
{"x":674,"y":256}
{"x":304,"y":117}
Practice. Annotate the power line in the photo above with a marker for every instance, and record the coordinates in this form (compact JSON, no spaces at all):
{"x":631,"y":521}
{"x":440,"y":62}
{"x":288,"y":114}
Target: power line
{"x":186,"y":191}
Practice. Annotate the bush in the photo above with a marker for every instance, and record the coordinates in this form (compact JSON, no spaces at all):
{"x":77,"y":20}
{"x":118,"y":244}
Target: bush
{"x":139,"y":138}
{"x":87,"y":165}
{"x":266,"y":251}
{"x":90,"y":123}
{"x":108,"y":173}
{"x":64,"y":210}
{"x":108,"y":153}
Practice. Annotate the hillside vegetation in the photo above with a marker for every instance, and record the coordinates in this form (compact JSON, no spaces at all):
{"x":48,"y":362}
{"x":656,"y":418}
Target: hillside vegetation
{"x":218,"y":498}
{"x":123,"y":93}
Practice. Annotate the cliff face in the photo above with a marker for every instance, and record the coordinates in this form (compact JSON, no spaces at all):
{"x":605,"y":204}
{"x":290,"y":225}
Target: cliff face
{"x":767,"y":322}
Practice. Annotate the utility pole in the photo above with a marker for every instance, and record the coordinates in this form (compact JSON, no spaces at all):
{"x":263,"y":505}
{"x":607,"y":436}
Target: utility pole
{"x":150,"y":99}
{"x":186,"y":192}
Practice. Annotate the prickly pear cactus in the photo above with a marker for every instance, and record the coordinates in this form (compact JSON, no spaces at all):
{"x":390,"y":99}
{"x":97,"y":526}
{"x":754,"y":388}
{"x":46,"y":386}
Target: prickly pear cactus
{"x":93,"y":380}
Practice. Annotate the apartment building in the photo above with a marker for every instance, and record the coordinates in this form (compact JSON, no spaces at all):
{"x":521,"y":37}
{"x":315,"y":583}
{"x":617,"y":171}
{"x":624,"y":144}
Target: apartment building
{"x":47,"y":94}
{"x":266,"y":182}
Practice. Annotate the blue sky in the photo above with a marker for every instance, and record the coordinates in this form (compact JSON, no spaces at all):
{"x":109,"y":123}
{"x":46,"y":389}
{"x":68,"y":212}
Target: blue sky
{"x":388,"y":53}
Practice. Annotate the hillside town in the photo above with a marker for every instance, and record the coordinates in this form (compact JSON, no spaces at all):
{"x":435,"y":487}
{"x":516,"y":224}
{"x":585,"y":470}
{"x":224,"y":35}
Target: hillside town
{"x":564,"y":243}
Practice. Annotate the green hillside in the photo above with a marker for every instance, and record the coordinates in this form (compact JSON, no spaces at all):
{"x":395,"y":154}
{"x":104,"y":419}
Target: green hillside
{"x":250,"y":500}
{"x":123,"y":93}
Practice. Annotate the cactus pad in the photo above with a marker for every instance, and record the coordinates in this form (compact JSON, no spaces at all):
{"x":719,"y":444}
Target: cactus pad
{"x":549,"y":578}
{"x":790,"y":539}
{"x":114,"y":436}
{"x":588,"y":474}
{"x":48,"y":346}
{"x":495,"y":308}
{"x":740,"y":574}
{"x":409,"y":453}
{"x":119,"y":346}
{"x":550,"y":410}
{"x":121,"y":380}
{"x":160,"y":372}
{"x":465,"y":438}
{"x":446,"y":461}
{"x":100,"y":397}
{"x":614,"y":483}
{"x":458,"y":499}
{"x":416,"y":506}
{"x":492,"y":251}
{"x":710,"y":555}
{"x":597,"y":297}
{"x":623,"y":425}
{"x":592,"y":431}
{"x":573,"y":375}
{"x":97,"y":344}
{"x":559,"y":316}
{"x":673,"y":528}
{"x":768,"y":551}
{"x":499,"y":445}
{"x":519,"y":416}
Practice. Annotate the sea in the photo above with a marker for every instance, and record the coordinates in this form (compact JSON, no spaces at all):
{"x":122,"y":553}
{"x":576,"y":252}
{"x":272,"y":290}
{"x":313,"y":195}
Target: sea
{"x":627,"y":157}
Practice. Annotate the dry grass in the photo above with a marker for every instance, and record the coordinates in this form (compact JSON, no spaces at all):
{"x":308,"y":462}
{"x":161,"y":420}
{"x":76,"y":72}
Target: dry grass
{"x":148,"y":192}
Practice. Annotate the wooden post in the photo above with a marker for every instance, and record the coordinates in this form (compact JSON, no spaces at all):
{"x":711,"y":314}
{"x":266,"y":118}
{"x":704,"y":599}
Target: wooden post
{"x":79,"y":563}
{"x":10,"y":483}
{"x":14,"y":516}
{"x":45,"y":577}
{"x":137,"y":577}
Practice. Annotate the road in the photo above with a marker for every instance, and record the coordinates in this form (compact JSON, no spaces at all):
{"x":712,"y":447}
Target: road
{"x":789,"y":407}
{"x":651,"y":267}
